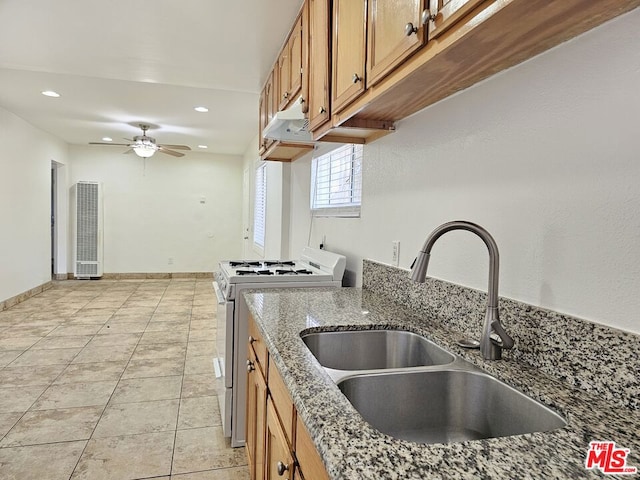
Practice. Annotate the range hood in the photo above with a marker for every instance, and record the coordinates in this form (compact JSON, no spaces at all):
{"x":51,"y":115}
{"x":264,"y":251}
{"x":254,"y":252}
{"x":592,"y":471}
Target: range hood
{"x":289,"y":125}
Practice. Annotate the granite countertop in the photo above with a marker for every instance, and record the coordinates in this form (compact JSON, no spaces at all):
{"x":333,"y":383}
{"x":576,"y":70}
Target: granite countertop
{"x":352,"y":449}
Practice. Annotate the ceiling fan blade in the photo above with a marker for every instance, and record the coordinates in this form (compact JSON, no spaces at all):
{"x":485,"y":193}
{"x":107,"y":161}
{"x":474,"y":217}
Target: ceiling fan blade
{"x":128,"y":151}
{"x":163,"y":149}
{"x":175,"y":147}
{"x":109,"y":143}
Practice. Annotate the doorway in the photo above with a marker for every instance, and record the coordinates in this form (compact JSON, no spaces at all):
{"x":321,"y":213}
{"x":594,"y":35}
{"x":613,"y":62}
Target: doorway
{"x":53,"y":219}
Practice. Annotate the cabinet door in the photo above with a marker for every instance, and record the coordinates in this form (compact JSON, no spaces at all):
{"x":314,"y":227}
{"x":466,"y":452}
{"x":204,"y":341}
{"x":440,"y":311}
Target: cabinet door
{"x":295,"y":57}
{"x":445,"y":13}
{"x":284,"y":77}
{"x":262,"y":111}
{"x":309,"y":460}
{"x":269,"y":107}
{"x":256,"y":419}
{"x":395,"y":31}
{"x":318,"y":62}
{"x":279,"y":460}
{"x":349,"y":51}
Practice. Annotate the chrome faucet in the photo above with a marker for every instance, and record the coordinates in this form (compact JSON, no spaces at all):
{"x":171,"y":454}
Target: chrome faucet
{"x":493,"y":338}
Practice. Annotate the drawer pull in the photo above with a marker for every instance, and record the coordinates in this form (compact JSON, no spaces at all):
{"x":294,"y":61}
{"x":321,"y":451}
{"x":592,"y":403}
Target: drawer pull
{"x":428,"y":16}
{"x":409,"y":29}
{"x":281,"y":468}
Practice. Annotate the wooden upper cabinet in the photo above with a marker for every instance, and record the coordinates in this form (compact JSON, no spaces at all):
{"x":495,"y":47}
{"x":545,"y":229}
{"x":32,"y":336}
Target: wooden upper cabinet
{"x":283,"y":74}
{"x":395,"y":31}
{"x":319,"y":62}
{"x":267,"y":110}
{"x":295,"y":55}
{"x":349,"y":52}
{"x":291,"y":65}
{"x":445,"y":13}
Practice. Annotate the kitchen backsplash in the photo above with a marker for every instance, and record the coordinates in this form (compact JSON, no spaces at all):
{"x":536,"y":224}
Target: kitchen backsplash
{"x":596,"y":358}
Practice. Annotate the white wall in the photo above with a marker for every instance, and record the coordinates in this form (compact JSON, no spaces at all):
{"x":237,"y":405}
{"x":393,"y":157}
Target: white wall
{"x":153,"y":209}
{"x":26,"y":154}
{"x":277,"y":206}
{"x":546,"y":156}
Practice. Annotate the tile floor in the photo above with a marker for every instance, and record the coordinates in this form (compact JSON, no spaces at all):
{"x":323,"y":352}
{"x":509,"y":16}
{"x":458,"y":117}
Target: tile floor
{"x":113,"y":380}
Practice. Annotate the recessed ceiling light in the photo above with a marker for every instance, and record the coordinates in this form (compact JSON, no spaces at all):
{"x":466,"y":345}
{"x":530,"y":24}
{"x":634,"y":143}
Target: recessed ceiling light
{"x":203,"y":146}
{"x":107,"y":139}
{"x":51,"y":93}
{"x":201,"y":109}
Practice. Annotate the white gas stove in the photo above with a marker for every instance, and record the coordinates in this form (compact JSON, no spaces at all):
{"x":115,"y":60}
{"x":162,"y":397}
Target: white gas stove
{"x":315,"y":268}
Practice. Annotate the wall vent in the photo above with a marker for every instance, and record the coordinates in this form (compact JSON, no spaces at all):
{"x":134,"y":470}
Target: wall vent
{"x":87,"y":218}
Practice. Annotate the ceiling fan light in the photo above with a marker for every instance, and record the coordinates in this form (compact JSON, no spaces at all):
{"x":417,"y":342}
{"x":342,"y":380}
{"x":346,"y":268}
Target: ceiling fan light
{"x":144,"y":150}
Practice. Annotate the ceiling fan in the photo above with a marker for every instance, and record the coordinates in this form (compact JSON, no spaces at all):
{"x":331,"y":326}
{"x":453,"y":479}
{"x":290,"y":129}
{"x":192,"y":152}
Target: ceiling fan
{"x":145,"y":146}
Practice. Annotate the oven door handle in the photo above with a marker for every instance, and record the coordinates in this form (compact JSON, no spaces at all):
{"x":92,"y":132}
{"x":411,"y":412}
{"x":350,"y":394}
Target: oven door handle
{"x":219,"y":293}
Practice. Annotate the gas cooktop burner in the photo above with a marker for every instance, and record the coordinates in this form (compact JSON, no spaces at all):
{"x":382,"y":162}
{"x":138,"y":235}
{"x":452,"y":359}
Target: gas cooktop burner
{"x":279,"y":263}
{"x":254,"y":272}
{"x":244,"y":272}
{"x":293,"y":272}
{"x":244,"y":263}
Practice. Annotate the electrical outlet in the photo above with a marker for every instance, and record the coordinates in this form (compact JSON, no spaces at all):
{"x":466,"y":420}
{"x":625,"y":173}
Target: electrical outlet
{"x":395,"y":256}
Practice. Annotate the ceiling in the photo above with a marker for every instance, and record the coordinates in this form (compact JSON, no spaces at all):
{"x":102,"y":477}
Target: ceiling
{"x":118,"y":63}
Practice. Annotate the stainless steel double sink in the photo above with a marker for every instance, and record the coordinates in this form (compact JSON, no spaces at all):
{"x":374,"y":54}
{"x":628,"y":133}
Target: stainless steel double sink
{"x":408,"y":387}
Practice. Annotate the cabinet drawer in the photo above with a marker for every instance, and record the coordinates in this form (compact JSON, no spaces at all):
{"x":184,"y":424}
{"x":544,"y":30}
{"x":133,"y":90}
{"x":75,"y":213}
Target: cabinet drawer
{"x":283,"y":403}
{"x":259,"y":348}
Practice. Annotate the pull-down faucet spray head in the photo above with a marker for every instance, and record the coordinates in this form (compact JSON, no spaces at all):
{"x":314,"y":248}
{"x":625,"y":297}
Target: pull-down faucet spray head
{"x":419,"y":267}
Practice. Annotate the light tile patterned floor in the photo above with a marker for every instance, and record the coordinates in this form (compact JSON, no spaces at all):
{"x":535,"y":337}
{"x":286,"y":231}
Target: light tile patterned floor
{"x":113,"y":380}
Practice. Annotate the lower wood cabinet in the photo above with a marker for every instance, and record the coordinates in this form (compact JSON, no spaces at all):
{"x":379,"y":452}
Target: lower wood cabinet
{"x":278,"y":444}
{"x":256,"y":417}
{"x":279,"y":458}
{"x":308,"y":457}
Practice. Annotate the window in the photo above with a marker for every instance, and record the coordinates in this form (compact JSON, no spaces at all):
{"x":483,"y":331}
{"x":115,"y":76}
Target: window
{"x":259,"y":210}
{"x":336,"y":182}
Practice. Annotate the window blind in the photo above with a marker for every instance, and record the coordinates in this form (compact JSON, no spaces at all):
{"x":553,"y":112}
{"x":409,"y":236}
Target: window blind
{"x":259,"y":210}
{"x":336,"y":182}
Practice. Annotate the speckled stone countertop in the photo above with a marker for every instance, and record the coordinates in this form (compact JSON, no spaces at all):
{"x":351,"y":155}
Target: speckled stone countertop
{"x":352,"y":449}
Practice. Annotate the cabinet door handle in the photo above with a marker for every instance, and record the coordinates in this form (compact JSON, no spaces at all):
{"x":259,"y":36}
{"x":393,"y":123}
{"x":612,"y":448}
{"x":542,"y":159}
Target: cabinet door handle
{"x":322,"y":110}
{"x":427,"y":16}
{"x":285,"y":95}
{"x":356,"y":78}
{"x":409,"y":29}
{"x":251,"y":339}
{"x":281,"y":468}
{"x":250,"y":366}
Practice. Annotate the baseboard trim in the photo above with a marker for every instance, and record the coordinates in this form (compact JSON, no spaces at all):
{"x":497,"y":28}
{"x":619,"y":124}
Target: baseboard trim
{"x":21,"y":297}
{"x":154,"y":276}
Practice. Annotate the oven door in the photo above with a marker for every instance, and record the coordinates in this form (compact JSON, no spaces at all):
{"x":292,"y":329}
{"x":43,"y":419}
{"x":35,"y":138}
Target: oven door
{"x":223,"y":361}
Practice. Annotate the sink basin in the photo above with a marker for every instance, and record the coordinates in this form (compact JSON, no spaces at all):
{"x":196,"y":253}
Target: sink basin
{"x":445,"y":406}
{"x":374,"y":349}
